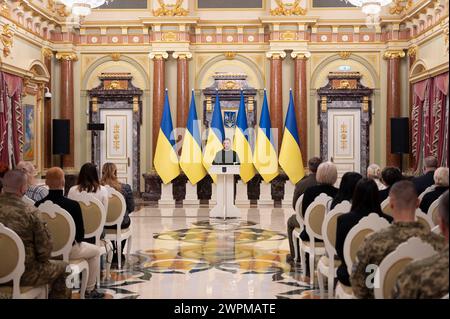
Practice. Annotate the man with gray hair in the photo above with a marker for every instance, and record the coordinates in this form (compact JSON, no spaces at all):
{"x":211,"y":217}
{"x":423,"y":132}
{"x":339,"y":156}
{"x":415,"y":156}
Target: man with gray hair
{"x":24,"y":220}
{"x":426,"y":180}
{"x":404,"y":202}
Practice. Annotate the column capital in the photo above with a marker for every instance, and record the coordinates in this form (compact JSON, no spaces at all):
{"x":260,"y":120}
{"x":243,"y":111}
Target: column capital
{"x":47,"y":53}
{"x":160,"y":55}
{"x":182,"y":55}
{"x":67,"y":56}
{"x":412,"y":51}
{"x":393,"y":54}
{"x":303,"y":55}
{"x":276,"y":55}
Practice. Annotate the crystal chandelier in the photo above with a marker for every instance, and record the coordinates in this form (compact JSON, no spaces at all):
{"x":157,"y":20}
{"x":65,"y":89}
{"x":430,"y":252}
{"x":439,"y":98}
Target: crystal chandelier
{"x":83,"y":7}
{"x":370,"y":7}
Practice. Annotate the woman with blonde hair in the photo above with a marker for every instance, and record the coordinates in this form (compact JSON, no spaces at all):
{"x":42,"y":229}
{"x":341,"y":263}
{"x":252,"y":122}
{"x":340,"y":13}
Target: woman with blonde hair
{"x":35,"y":192}
{"x":440,"y":186}
{"x":109,"y":177}
{"x":374,"y":173}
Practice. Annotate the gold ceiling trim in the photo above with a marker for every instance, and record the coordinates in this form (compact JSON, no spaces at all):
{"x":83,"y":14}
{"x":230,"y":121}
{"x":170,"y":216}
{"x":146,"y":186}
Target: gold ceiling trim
{"x":288,"y":9}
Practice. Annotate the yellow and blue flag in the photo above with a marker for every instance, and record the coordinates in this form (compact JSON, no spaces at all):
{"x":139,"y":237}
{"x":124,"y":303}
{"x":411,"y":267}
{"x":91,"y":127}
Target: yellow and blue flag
{"x":290,"y":154}
{"x":216,"y":135}
{"x":241,"y":144}
{"x":166,"y":160}
{"x":191,"y":152}
{"x":265,"y":155}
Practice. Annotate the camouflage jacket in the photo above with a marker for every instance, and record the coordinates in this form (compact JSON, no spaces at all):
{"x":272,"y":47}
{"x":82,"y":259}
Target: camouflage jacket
{"x":424,"y":279}
{"x":24,"y":220}
{"x":379,"y":245}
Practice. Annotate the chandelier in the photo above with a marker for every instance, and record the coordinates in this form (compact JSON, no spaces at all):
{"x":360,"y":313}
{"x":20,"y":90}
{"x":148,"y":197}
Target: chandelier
{"x":370,"y":7}
{"x":83,"y":7}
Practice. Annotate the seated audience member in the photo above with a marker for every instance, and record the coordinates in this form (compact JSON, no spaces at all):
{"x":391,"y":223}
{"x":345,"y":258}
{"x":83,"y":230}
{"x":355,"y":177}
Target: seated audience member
{"x":88,"y":181}
{"x":365,"y":201}
{"x":34,"y":192}
{"x":346,"y":188}
{"x":374,"y":173}
{"x":389,"y":176}
{"x":3,"y":169}
{"x":300,"y":188}
{"x":24,"y":220}
{"x":426,"y":180}
{"x":80,"y":250}
{"x":427,"y":278}
{"x":109,"y":177}
{"x":404,"y":202}
{"x":441,"y":185}
{"x":326,"y":177}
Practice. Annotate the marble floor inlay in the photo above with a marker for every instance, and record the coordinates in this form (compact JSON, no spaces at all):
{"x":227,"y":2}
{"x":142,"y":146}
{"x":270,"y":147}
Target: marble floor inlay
{"x":181,"y":253}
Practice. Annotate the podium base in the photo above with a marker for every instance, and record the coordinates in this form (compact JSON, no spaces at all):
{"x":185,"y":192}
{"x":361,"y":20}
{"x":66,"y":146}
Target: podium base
{"x":191,"y":202}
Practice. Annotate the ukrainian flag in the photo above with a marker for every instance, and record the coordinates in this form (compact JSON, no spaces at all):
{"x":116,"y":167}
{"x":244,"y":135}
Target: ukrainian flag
{"x":241,"y":145}
{"x":216,"y":135}
{"x":265,"y":155}
{"x":191,"y":152}
{"x":166,"y":160}
{"x":290,"y":154}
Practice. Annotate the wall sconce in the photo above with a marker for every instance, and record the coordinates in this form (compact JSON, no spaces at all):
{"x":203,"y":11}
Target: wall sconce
{"x":48,"y":94}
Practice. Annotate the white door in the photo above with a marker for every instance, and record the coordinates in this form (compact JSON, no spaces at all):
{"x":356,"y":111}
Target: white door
{"x":116,"y":142}
{"x":344,"y":140}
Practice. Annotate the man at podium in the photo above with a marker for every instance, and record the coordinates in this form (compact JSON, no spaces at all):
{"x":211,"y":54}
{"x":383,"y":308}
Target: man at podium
{"x":226,"y":156}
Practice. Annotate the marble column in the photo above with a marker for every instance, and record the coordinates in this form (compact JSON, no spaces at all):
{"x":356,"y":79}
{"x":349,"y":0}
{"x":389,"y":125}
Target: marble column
{"x":276,"y":93}
{"x":393,"y":100}
{"x":158,"y":93}
{"x":47,"y":55}
{"x":66,"y":107}
{"x":301,"y":100}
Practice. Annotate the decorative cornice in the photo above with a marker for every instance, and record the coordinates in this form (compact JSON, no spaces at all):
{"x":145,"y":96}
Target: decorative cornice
{"x":67,"y":56}
{"x":300,"y":55}
{"x":412,"y":51}
{"x":345,"y":54}
{"x":158,"y":55}
{"x":276,"y":55}
{"x":182,"y":55}
{"x":394,"y":54}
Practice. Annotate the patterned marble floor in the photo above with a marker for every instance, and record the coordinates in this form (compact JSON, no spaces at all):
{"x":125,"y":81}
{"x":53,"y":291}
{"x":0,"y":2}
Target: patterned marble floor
{"x":181,"y":253}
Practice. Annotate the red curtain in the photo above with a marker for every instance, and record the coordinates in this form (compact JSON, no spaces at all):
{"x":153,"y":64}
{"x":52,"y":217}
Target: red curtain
{"x":429,"y":118}
{"x":11,"y":119}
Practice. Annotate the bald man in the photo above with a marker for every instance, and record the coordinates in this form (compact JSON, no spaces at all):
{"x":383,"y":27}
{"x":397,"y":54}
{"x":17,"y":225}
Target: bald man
{"x":404,"y":202}
{"x":55,"y":181}
{"x":24,"y":220}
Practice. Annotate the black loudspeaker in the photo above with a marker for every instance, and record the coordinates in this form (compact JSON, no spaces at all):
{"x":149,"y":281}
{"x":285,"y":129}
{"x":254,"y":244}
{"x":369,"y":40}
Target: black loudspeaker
{"x":61,"y":137}
{"x":96,"y":126}
{"x":400,"y":135}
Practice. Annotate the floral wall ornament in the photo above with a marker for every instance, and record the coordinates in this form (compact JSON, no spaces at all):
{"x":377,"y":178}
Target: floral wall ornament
{"x":288,"y":9}
{"x":7,"y":39}
{"x":171,"y":10}
{"x":4,"y":8}
{"x":399,"y":6}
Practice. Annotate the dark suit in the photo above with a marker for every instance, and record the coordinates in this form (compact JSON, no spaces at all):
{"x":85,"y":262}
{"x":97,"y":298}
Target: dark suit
{"x":430,"y":197}
{"x":226,"y":157}
{"x":383,"y":194}
{"x":344,"y":224}
{"x":423,"y":182}
{"x":71,"y":206}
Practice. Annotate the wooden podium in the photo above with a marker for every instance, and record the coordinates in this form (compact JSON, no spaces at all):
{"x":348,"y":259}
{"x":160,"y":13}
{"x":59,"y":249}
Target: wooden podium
{"x":225,"y":207}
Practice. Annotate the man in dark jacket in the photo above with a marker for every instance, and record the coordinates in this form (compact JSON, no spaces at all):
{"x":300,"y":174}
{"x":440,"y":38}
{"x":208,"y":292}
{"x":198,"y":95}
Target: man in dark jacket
{"x":389,"y":176}
{"x":426,"y":180}
{"x":80,"y":250}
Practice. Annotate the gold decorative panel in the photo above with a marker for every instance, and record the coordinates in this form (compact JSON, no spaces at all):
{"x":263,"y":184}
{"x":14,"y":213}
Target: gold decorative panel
{"x":116,"y":137}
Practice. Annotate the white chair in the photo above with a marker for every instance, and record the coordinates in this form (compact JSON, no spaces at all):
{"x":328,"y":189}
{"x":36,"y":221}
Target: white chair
{"x":424,"y":219}
{"x":433,"y":211}
{"x":114,"y":217}
{"x":385,"y":207}
{"x":389,"y":269}
{"x":94,"y":218}
{"x":12,"y":267}
{"x":62,"y":229}
{"x":327,"y":266}
{"x":437,"y":230}
{"x":355,"y":238}
{"x":314,"y":216}
{"x":427,"y":190}
{"x":297,"y":231}
{"x":27,"y":200}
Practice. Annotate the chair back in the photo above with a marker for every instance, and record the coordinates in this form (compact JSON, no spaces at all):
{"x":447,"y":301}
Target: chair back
{"x":298,"y":212}
{"x":385,"y":207}
{"x":433,"y":211}
{"x":329,"y":226}
{"x":424,"y":219}
{"x":389,"y":269}
{"x":12,"y":264}
{"x":61,"y":227}
{"x":27,"y":200}
{"x":358,"y":234}
{"x":116,"y":207}
{"x":427,"y":190}
{"x":437,"y":230}
{"x":94,"y":214}
{"x":315,"y":215}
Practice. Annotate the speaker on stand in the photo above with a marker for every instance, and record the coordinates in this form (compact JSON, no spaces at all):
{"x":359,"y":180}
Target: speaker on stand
{"x":400,"y":137}
{"x":61,"y":138}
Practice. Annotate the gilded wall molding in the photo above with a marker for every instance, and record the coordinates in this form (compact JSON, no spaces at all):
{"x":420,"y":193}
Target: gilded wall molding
{"x":288,"y":9}
{"x":345,"y":55}
{"x":412,"y":51}
{"x":393,"y":54}
{"x":115,"y":56}
{"x":47,"y":53}
{"x":7,"y":38}
{"x":67,"y":56}
{"x":400,"y":6}
{"x":170,"y":10}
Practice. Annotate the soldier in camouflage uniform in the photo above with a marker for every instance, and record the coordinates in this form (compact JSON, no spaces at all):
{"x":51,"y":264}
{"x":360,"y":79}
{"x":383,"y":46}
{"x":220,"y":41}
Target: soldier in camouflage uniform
{"x":403,"y":201}
{"x":427,"y":278}
{"x":24,"y":220}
